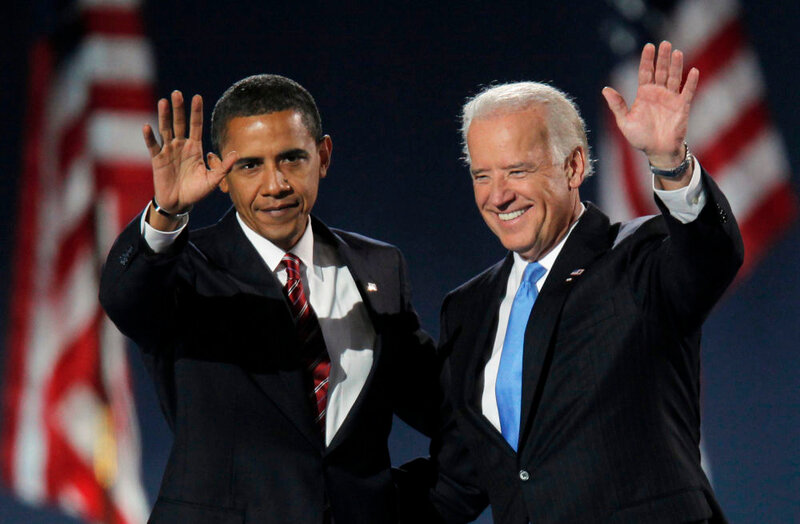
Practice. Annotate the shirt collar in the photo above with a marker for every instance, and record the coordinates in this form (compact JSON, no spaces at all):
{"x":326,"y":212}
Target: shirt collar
{"x":549,"y":259}
{"x":272,"y":254}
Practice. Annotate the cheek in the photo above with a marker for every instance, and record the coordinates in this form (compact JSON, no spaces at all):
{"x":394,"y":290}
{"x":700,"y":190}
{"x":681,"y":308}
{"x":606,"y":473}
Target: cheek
{"x":309,"y":191}
{"x":244,"y":193}
{"x":481,"y":194}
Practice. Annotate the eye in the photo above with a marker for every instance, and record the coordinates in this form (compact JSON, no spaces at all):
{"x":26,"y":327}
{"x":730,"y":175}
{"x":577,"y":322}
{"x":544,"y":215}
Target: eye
{"x":293,"y":157}
{"x":517,"y":173}
{"x":480,"y":178}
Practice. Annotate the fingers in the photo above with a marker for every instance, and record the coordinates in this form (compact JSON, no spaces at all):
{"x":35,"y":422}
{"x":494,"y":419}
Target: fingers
{"x":178,"y":115}
{"x":675,"y":71}
{"x":662,"y":63}
{"x":666,"y":69}
{"x":228,"y":162}
{"x":153,"y":147}
{"x":615,"y":103}
{"x":224,"y":168}
{"x":172,"y":121}
{"x":646,"y":64}
{"x":196,"y":119}
{"x":164,"y":121}
{"x":690,"y":87}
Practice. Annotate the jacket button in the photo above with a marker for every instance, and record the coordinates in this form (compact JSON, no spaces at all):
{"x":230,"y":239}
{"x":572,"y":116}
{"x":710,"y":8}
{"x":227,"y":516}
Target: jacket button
{"x":524,"y":476}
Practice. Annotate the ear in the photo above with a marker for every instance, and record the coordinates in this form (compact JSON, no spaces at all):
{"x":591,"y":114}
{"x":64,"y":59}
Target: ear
{"x":215,"y":162}
{"x":324,"y":149}
{"x":575,"y":166}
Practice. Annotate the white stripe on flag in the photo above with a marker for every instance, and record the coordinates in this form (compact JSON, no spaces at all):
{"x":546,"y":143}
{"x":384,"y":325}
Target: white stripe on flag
{"x":100,"y":59}
{"x":118,"y":136}
{"x":721,"y":100}
{"x":760,"y":167}
{"x":693,"y":22}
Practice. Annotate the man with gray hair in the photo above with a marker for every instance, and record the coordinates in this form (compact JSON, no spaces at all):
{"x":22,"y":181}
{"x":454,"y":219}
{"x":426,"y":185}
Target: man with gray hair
{"x":571,"y":367}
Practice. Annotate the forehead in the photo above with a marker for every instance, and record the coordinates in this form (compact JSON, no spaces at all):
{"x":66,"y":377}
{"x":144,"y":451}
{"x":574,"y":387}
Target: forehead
{"x":510,"y":134}
{"x":280,"y":128}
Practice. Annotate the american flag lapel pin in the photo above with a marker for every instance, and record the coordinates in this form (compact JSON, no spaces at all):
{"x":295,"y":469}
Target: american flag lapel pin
{"x":575,"y":273}
{"x":372,"y":287}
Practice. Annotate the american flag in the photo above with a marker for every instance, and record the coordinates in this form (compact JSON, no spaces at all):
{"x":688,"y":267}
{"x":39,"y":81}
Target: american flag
{"x":70,"y":435}
{"x":730,"y":131}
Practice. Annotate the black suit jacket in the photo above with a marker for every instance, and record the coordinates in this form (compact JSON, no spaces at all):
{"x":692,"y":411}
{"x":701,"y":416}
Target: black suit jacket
{"x":218,"y":338}
{"x":610,"y":423}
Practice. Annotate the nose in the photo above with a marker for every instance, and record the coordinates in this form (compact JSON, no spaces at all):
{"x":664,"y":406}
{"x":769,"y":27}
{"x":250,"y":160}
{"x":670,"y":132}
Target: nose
{"x":501,"y":194}
{"x":274,"y":183}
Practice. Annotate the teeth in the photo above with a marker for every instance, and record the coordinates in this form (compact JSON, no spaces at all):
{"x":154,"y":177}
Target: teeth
{"x":512,"y":215}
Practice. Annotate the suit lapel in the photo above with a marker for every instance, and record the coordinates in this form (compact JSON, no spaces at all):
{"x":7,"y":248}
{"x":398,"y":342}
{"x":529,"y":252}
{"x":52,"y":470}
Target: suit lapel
{"x":485,"y":330}
{"x":364,"y":274}
{"x":483,"y":335}
{"x":286,"y":387}
{"x":588,"y":240}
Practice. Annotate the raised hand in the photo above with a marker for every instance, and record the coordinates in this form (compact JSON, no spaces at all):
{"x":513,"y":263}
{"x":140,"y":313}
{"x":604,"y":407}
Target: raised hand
{"x":180,"y":176}
{"x":658,"y":119}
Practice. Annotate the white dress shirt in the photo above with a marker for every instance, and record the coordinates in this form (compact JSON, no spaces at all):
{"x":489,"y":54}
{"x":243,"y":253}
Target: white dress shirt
{"x":684,"y":204}
{"x":333,"y":294}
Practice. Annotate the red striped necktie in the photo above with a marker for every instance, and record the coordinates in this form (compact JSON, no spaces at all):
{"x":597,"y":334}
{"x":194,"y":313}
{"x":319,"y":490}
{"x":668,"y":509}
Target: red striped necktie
{"x":315,"y":355}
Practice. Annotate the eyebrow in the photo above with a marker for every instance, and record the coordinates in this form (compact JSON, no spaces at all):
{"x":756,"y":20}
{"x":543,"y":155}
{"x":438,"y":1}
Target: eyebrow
{"x":508,"y":167}
{"x":248,"y":160}
{"x":292,"y":152}
{"x":520,"y":165}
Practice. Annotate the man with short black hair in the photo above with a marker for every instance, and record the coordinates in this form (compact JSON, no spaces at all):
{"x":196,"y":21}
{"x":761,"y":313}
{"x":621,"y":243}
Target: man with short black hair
{"x":280,"y":348}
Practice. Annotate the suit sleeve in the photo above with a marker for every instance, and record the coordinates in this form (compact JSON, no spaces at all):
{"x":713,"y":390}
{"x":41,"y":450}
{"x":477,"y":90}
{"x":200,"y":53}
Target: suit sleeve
{"x":138,"y":291}
{"x":455,"y":494}
{"x":681,"y":277}
{"x":416,"y":390}
{"x":138,"y":286}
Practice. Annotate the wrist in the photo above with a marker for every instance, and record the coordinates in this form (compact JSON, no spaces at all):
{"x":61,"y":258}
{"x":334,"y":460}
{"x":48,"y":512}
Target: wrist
{"x":172,"y":215}
{"x":671,"y":166}
{"x":164,"y":223}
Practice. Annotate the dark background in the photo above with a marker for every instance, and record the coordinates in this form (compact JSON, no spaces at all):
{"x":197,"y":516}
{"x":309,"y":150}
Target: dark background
{"x":389,"y":81}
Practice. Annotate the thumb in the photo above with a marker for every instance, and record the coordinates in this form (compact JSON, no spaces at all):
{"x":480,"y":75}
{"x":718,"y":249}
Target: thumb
{"x":616,"y":104}
{"x":223,"y":167}
{"x":227,"y":164}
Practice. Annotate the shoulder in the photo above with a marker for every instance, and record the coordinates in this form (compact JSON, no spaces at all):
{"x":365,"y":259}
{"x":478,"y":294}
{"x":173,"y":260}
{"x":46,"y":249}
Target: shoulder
{"x":359,"y":241}
{"x":479,"y":287}
{"x":639,"y":228}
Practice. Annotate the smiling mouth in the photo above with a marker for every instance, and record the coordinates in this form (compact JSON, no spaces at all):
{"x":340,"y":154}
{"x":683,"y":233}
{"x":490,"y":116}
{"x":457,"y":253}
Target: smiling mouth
{"x":279,"y":209}
{"x":505,"y":217}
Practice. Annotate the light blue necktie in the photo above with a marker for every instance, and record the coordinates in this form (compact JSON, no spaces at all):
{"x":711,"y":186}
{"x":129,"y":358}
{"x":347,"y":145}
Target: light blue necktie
{"x":508,"y":388}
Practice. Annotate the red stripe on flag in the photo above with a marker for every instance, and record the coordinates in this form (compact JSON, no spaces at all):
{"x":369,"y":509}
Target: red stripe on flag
{"x":106,"y":96}
{"x":121,"y":97}
{"x":750,"y":123}
{"x":73,"y":244}
{"x":71,"y":145}
{"x":21,"y":300}
{"x":766,"y":222}
{"x":69,"y":471}
{"x":133,"y":182}
{"x":718,"y":51}
{"x":79,"y":365}
{"x":113,"y":21}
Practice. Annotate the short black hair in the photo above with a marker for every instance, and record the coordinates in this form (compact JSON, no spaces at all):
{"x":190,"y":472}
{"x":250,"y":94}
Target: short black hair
{"x":260,"y":95}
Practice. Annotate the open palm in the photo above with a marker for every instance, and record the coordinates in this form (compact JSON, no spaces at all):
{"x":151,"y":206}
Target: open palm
{"x":658,"y":120}
{"x":180,"y":175}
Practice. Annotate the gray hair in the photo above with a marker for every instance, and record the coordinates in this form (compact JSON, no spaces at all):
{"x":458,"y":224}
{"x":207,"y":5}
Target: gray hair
{"x":567,"y":130}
